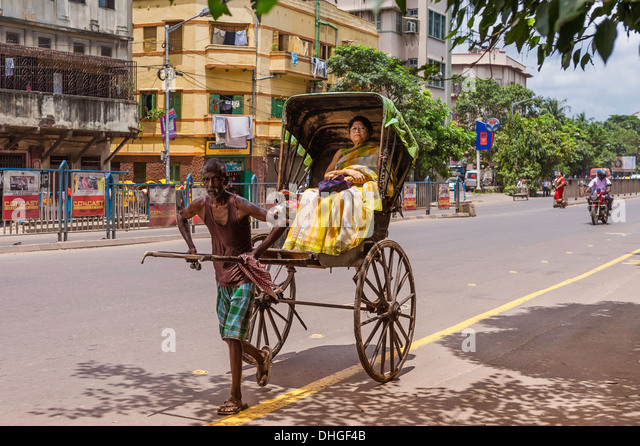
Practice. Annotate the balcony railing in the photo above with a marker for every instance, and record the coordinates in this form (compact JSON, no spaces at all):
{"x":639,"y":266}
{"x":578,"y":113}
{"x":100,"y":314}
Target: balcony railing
{"x":43,"y":70}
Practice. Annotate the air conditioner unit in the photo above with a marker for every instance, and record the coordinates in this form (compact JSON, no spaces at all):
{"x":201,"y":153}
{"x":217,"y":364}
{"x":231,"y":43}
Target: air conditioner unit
{"x":410,"y":26}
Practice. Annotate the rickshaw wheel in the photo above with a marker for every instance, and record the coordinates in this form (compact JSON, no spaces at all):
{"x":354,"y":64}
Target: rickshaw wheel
{"x":385,"y":310}
{"x":270,"y":319}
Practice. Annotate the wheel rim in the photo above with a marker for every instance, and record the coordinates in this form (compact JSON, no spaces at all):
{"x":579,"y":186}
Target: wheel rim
{"x":385,"y":307}
{"x":271,"y":319}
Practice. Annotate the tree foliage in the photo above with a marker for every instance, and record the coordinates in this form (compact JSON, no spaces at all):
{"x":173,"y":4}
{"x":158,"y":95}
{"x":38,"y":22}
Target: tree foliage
{"x":531,"y":148}
{"x":574,"y":29}
{"x":487,"y":99}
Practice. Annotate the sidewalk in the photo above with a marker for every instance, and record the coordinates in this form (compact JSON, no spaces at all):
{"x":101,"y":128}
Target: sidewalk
{"x":18,"y":243}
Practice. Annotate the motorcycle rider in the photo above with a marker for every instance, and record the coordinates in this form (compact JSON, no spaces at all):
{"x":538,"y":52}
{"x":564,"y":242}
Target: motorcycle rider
{"x":600,"y":181}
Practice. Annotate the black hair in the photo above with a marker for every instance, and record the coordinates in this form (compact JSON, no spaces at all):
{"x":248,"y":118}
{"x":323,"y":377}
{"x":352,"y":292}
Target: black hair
{"x":215,"y":164}
{"x":364,"y":121}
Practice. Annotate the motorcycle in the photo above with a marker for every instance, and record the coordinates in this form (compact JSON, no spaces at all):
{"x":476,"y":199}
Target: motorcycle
{"x":598,"y":209}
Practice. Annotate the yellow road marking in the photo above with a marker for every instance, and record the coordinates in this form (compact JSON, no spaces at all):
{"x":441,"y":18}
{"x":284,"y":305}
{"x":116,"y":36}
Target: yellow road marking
{"x":290,"y":397}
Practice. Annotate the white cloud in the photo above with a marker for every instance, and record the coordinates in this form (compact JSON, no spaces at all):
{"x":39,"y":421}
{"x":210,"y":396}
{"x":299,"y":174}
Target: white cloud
{"x":598,"y":91}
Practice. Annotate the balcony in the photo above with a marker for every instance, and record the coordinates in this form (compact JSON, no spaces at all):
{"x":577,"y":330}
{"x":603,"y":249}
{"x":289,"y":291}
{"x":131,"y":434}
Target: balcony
{"x":64,"y":103}
{"x":230,"y":57}
{"x":284,"y":62}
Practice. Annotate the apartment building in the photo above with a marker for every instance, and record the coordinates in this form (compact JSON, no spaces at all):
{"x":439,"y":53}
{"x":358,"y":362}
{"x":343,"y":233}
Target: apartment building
{"x":66,"y":82}
{"x":418,"y":37}
{"x":494,"y":64}
{"x":233,"y":72}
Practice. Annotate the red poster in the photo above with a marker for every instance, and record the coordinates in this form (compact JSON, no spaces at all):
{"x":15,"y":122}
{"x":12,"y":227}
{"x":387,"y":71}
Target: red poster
{"x":20,"y":207}
{"x":87,"y":205}
{"x":161,"y":215}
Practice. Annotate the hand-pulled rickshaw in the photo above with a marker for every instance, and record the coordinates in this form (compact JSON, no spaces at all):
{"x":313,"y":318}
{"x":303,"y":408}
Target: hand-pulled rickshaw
{"x":314,"y":127}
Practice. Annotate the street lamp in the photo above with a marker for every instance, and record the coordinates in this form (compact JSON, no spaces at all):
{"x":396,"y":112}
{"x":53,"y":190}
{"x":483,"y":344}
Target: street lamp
{"x":521,"y":102}
{"x":170,"y":74}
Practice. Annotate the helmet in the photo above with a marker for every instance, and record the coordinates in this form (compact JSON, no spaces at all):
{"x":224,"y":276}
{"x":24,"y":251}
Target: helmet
{"x":601,"y":174}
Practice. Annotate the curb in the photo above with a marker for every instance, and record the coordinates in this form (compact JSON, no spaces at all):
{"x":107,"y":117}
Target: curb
{"x":80,"y":244}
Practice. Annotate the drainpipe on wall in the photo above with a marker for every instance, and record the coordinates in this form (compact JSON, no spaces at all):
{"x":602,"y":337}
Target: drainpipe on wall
{"x":318,"y":23}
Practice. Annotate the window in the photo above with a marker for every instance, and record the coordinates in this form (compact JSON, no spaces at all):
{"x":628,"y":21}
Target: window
{"x":378,"y":21}
{"x":175,"y":38}
{"x":78,"y":47}
{"x":229,"y":35}
{"x":412,"y":13}
{"x":175,"y":103}
{"x":77,"y":1}
{"x":106,"y":51}
{"x":276,"y":107}
{"x":109,"y":4}
{"x":437,"y":80}
{"x":139,"y":172}
{"x":147,"y":103}
{"x":437,"y":25}
{"x":412,"y":63}
{"x":225,"y":104}
{"x":90,"y":163}
{"x":399,"y":22}
{"x":13,"y":38}
{"x":150,"y":38}
{"x":44,"y":42}
{"x":174,"y":174}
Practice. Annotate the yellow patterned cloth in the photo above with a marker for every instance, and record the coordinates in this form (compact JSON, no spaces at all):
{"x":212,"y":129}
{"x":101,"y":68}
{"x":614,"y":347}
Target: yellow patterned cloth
{"x":333,"y":223}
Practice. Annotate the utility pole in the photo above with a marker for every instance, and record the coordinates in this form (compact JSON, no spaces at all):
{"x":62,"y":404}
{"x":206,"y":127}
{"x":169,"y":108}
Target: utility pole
{"x":169,"y":75}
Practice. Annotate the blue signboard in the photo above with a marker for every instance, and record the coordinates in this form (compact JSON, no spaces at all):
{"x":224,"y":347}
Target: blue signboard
{"x":484,"y":137}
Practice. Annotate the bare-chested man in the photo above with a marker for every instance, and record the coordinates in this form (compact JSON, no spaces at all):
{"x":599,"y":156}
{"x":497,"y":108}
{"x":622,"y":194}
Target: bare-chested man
{"x":227,"y":216}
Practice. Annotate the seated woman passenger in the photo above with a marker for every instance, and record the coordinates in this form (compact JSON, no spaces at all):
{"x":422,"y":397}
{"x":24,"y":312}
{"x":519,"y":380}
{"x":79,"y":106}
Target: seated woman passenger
{"x":334,"y":222}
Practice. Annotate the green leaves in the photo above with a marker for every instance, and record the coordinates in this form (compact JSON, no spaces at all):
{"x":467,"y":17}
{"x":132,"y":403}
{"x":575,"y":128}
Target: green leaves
{"x":574,"y":29}
{"x":217,"y":8}
{"x":604,"y":38}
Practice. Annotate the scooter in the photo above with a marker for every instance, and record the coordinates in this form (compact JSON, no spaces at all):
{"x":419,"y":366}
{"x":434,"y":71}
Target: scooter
{"x":598,"y":209}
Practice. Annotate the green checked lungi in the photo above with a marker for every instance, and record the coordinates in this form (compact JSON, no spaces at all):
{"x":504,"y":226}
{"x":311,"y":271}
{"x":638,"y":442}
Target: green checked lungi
{"x":234,"y":307}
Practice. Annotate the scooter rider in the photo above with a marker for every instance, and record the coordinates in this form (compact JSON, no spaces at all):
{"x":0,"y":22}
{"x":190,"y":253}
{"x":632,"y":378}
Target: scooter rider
{"x":600,"y":181}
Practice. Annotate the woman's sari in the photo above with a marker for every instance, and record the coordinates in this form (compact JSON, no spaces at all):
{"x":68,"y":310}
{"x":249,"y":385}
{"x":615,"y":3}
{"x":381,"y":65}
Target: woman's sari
{"x":333,"y":223}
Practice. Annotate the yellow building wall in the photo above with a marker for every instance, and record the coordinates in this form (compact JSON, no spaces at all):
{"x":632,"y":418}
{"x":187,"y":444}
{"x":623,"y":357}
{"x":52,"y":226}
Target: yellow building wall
{"x":210,"y":68}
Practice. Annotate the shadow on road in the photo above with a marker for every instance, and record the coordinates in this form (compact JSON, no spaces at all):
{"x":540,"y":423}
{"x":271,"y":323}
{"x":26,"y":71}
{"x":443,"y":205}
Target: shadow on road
{"x":579,"y":366}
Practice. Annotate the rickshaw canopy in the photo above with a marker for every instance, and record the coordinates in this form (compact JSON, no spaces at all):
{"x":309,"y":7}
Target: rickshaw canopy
{"x":318,"y":121}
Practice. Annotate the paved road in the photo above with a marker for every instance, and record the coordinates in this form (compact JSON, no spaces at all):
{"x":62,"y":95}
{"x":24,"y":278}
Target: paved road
{"x":551,"y":301}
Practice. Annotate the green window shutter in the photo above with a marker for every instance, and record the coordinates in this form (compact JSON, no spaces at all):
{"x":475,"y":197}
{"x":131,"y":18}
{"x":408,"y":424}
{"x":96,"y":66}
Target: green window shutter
{"x":239,"y":110}
{"x":147,"y":103}
{"x":276,"y":107}
{"x":174,"y":173}
{"x":213,"y":108}
{"x":175,"y":102}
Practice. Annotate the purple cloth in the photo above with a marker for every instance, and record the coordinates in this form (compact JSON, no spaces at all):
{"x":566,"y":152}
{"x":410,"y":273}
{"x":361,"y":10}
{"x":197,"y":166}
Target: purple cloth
{"x":336,"y":184}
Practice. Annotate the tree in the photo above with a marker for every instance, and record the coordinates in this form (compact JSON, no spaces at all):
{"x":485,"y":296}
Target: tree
{"x":489,"y":99}
{"x":557,"y":108}
{"x":360,"y":68}
{"x":531,"y":149}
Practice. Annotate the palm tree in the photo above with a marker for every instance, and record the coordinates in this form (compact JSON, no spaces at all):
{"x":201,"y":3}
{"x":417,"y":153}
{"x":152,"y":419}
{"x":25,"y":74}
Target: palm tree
{"x":558,"y":109}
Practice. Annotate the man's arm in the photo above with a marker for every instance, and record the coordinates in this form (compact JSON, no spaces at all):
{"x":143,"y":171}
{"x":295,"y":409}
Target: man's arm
{"x":183,"y":217}
{"x":247,"y":209}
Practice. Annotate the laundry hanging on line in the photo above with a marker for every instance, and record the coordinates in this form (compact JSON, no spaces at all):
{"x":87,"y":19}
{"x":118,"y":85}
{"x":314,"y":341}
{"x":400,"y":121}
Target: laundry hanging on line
{"x":232,"y":131}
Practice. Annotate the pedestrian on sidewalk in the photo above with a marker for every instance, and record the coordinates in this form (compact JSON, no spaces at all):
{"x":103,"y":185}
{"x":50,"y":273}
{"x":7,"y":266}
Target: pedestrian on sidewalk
{"x":227,"y":216}
{"x":546,"y":184}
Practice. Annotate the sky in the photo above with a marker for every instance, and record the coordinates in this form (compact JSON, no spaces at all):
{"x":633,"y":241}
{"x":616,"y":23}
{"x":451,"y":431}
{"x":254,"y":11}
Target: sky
{"x":600,"y":90}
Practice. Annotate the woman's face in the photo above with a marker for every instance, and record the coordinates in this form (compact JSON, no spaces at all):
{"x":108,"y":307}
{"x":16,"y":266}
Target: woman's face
{"x":358,"y":133}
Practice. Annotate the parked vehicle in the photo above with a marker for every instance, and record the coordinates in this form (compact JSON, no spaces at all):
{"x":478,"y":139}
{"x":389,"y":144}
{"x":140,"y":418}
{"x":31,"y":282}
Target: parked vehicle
{"x":471,"y":179}
{"x":598,"y":209}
